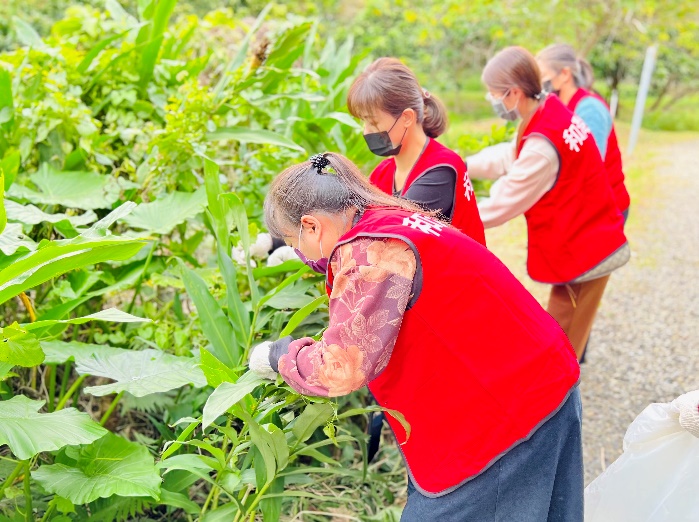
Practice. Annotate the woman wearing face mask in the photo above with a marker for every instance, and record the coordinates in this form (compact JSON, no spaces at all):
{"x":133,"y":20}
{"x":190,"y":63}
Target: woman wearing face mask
{"x":570,"y":78}
{"x":554,"y":175}
{"x":401,"y":122}
{"x":484,"y":376}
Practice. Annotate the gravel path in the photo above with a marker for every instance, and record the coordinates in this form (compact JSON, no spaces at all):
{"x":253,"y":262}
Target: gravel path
{"x":645,"y":341}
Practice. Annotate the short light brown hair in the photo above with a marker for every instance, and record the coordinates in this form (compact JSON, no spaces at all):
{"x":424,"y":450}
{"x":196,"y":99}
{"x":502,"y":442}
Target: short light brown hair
{"x":513,"y":67}
{"x":558,"y":56}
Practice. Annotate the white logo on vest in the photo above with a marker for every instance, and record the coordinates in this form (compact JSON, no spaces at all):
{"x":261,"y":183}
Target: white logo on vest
{"x":424,"y":224}
{"x":576,"y":133}
{"x":468,"y":186}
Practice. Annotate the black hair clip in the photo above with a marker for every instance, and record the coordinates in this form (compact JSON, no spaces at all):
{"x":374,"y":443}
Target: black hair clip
{"x":319,"y":162}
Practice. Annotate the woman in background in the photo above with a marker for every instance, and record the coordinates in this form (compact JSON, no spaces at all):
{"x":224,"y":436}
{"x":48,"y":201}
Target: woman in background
{"x":554,"y":175}
{"x":570,"y":78}
{"x":401,"y":122}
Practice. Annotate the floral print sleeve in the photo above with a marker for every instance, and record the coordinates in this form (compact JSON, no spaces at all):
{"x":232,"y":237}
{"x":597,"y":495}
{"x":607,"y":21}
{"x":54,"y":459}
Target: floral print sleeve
{"x":372,"y":287}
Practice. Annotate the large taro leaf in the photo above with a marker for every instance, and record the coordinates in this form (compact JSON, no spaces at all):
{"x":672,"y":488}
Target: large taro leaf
{"x":110,"y":466}
{"x":12,"y":240}
{"x":164,"y":214}
{"x":83,"y":190}
{"x":59,"y":352}
{"x":28,"y":432}
{"x":19,"y":347}
{"x":227,"y":394}
{"x":140,"y":372}
{"x":33,"y":215}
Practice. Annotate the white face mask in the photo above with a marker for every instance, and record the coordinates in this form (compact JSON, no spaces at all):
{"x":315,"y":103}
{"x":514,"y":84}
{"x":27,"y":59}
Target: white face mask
{"x":500,"y":109}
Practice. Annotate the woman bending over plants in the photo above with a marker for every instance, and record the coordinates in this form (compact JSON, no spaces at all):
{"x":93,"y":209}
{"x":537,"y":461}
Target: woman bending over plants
{"x":485,"y":378}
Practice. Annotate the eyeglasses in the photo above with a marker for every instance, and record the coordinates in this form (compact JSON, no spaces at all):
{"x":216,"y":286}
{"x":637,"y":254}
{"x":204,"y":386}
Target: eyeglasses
{"x":492,"y":98}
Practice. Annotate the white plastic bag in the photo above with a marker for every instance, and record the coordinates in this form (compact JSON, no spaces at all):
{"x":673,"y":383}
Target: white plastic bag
{"x":656,"y":479}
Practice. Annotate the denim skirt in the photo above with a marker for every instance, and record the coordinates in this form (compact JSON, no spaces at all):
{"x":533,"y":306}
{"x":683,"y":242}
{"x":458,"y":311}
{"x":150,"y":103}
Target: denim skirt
{"x":539,"y":480}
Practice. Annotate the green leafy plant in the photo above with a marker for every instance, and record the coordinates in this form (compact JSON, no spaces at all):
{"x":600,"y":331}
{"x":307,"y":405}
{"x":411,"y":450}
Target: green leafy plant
{"x":134,"y":158}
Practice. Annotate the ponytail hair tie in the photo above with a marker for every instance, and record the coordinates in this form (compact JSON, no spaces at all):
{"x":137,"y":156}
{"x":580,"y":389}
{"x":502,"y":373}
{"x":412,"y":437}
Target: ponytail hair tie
{"x":540,"y":96}
{"x":319,"y":162}
{"x":426,"y":94}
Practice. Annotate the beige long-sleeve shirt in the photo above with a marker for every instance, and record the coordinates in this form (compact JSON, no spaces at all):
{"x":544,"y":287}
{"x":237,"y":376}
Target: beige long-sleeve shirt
{"x":520,"y":182}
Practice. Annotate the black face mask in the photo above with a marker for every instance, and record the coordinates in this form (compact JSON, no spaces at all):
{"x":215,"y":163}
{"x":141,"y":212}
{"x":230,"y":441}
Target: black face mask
{"x":548,"y":87}
{"x":380,"y":142}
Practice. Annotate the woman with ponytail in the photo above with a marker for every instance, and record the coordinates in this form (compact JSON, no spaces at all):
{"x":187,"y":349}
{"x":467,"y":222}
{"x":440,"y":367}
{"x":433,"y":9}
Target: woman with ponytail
{"x":571,"y":78}
{"x":554,"y":175}
{"x":401,"y":122}
{"x":485,"y":378}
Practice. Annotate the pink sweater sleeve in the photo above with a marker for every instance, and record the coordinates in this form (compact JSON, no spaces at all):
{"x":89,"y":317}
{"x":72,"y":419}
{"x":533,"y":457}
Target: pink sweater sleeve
{"x":372,"y":287}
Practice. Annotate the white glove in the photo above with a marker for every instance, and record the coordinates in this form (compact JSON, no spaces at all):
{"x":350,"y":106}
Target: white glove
{"x":280,"y":255}
{"x":238,"y":255}
{"x":259,"y":361}
{"x":688,"y":405}
{"x":262,"y":245}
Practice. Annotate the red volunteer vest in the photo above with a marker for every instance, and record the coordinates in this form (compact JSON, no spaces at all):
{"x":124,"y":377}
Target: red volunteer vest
{"x":464,"y":214}
{"x":612,"y":160}
{"x":478,"y":364}
{"x":576,"y":225}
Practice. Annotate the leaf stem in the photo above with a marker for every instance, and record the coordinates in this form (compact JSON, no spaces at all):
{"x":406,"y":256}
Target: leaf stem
{"x":258,"y":498}
{"x":51,"y":369}
{"x":65,"y":378}
{"x":111,"y":409}
{"x":27,"y":492}
{"x":28,"y":305}
{"x":252,"y":333}
{"x":208,"y":499}
{"x":11,"y":478}
{"x":183,"y":436}
{"x":49,"y":511}
{"x":137,"y":289}
{"x":70,"y":392}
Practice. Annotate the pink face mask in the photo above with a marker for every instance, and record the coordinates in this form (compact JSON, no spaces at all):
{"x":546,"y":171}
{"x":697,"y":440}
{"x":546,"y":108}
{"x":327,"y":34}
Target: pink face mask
{"x":320,"y":266}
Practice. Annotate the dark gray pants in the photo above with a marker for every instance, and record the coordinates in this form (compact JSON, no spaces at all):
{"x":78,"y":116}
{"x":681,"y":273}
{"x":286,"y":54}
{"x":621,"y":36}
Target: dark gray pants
{"x":540,"y":480}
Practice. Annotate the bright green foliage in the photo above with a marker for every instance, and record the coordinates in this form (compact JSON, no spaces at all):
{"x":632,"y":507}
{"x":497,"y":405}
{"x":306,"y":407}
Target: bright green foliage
{"x":110,"y":466}
{"x":3,"y":213}
{"x":19,"y":347}
{"x":140,"y":373}
{"x":227,"y":394}
{"x":108,"y":314}
{"x":312,"y":418}
{"x":164,"y":214}
{"x":81,"y":190}
{"x":59,"y":352}
{"x":136,"y":145}
{"x":54,"y":258}
{"x":33,"y":215}
{"x":214,"y":323}
{"x":214,"y":370}
{"x":28,"y":432}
